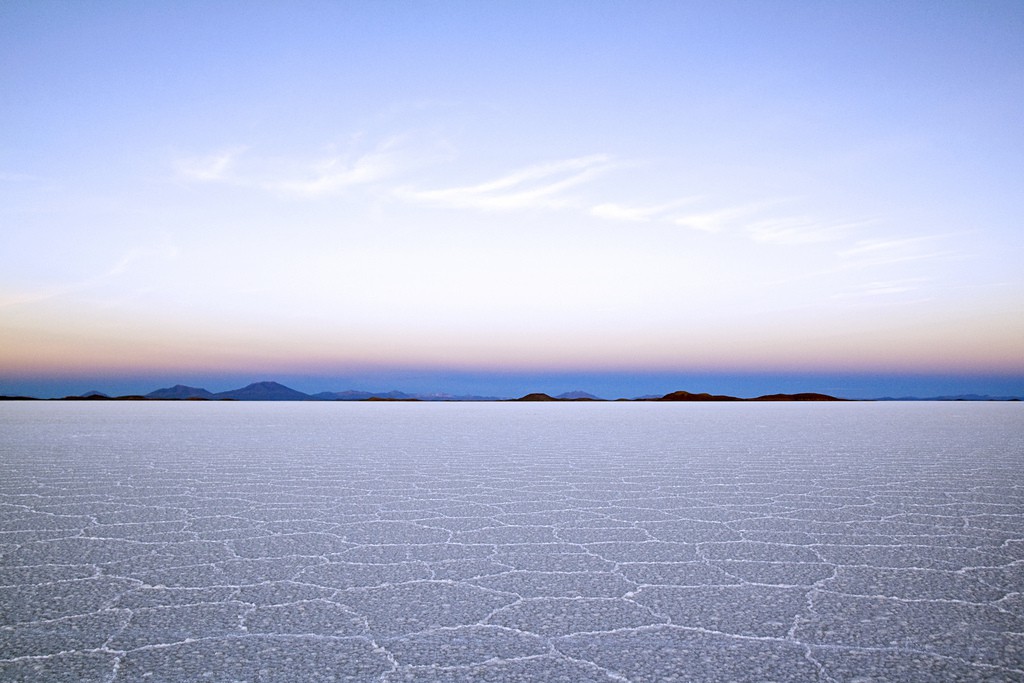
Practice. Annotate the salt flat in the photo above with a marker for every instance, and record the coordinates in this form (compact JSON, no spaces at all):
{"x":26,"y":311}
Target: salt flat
{"x":578,"y":542}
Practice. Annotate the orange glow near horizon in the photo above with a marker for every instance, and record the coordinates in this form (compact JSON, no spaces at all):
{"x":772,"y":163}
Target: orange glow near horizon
{"x":918,"y":350}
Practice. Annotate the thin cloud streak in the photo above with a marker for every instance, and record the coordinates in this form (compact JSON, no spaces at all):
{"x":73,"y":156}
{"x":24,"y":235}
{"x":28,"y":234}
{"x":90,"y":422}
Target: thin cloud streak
{"x":120,"y":267}
{"x":337,"y":174}
{"x":720,"y":220}
{"x":883,"y":245}
{"x":638,"y":214}
{"x":212,"y":168}
{"x":165,"y":252}
{"x":890,"y":260}
{"x":872,"y":253}
{"x":884,"y":288}
{"x":801,"y":230}
{"x":19,"y":298}
{"x":305,"y":179}
{"x":537,"y":186}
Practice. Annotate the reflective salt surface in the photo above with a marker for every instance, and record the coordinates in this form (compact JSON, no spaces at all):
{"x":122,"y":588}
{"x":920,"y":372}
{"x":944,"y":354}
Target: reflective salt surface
{"x":576,"y":542}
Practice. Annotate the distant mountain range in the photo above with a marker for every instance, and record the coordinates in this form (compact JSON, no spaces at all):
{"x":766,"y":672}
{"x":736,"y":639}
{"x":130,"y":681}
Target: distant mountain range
{"x":274,"y":391}
{"x":578,"y":396}
{"x":687,"y":396}
{"x":180,"y":392}
{"x":957,"y":397}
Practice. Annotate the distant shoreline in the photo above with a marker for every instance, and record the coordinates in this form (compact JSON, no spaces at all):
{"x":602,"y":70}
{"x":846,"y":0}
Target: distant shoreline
{"x":529,"y":398}
{"x":273,"y":391}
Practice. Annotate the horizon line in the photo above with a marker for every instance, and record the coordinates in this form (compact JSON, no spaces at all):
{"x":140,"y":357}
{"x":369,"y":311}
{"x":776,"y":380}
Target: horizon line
{"x":187,"y":392}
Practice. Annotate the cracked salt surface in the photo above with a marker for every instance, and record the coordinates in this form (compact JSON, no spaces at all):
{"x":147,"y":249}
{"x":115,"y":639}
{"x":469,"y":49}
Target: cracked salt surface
{"x":511,"y":542}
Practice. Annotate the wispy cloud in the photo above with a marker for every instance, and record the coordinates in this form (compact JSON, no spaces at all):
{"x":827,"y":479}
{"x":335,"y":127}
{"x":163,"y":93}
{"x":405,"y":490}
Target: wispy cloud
{"x":755,"y":219}
{"x":13,"y":298}
{"x":886,"y":292}
{"x":123,"y":264}
{"x":718,"y":220}
{"x":800,"y":230}
{"x":538,"y":186}
{"x":638,"y":214}
{"x":884,"y":246}
{"x":214,"y":167}
{"x":872,"y":253}
{"x":305,"y":178}
{"x":335,"y":174}
{"x":900,"y":258}
{"x":885,"y":287}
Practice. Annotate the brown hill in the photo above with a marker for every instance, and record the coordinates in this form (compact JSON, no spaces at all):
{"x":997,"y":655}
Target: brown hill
{"x":797,"y":397}
{"x":687,"y":396}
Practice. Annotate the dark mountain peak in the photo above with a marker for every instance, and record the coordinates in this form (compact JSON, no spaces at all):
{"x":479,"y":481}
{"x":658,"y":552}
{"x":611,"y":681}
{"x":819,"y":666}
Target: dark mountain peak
{"x":396,"y":395}
{"x":440,"y":396}
{"x":536,"y":397}
{"x":353,"y":395}
{"x":347,"y":395}
{"x":179,"y":391}
{"x":687,"y":396}
{"x":267,"y":386}
{"x":264,"y":391}
{"x":957,"y":397}
{"x":94,"y":394}
{"x":807,"y":396}
{"x":975,"y":397}
{"x":577,"y":395}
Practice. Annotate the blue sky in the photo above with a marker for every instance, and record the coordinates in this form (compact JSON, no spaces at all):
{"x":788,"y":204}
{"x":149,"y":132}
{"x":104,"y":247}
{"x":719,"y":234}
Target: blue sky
{"x":395,"y":194}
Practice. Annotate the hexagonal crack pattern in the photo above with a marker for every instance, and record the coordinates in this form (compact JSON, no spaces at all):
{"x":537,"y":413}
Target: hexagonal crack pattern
{"x":328,"y":542}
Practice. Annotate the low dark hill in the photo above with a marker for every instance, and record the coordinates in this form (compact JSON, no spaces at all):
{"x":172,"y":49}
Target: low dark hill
{"x":179,"y":392}
{"x":97,"y":396}
{"x":687,"y":396}
{"x":797,"y":397}
{"x":264,"y":391}
{"x":957,"y":397}
{"x":578,"y":396}
{"x":349,"y":395}
{"x":536,"y":397}
{"x":352,"y":395}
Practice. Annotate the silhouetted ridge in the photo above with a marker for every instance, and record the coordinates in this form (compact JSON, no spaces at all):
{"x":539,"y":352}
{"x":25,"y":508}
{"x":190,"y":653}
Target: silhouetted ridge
{"x":352,"y":395}
{"x":956,"y":397}
{"x":578,"y":396}
{"x":797,"y":397}
{"x":264,"y":391}
{"x":179,"y":392}
{"x":274,"y":391}
{"x":687,"y":396}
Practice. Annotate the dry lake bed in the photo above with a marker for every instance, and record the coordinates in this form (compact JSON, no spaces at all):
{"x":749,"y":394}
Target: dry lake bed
{"x":511,"y":542}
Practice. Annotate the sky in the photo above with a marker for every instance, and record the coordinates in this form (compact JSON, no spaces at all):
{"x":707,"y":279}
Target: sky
{"x":501,"y":197}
